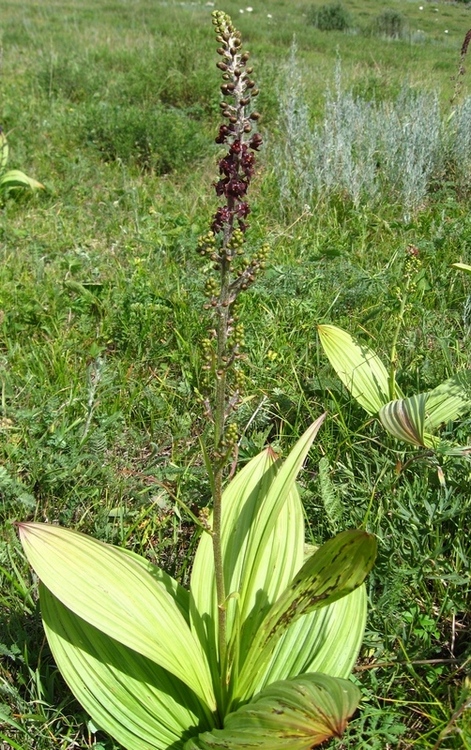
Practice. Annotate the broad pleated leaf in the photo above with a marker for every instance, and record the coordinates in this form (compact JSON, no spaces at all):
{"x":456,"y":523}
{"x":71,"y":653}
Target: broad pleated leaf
{"x":141,"y":705}
{"x":113,"y":592}
{"x":14,"y":178}
{"x":325,"y":640}
{"x":358,"y":367}
{"x":262,"y":537}
{"x":449,"y":401}
{"x":293,"y":714}
{"x":333,"y":571}
{"x":404,"y":419}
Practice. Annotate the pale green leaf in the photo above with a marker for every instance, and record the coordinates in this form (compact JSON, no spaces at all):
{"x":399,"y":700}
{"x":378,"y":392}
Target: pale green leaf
{"x":14,"y":178}
{"x":262,"y":537}
{"x":247,"y":485}
{"x":333,"y":571}
{"x":358,"y":367}
{"x":141,"y":705}
{"x":297,"y":714}
{"x":449,"y":401}
{"x":3,"y":151}
{"x":109,"y":589}
{"x":276,"y":548}
{"x":462,"y":267}
{"x":325,"y":640}
{"x":404,"y":419}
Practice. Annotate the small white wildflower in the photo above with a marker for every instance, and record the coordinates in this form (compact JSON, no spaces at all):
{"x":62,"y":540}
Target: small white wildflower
{"x":421,"y":7}
{"x":446,"y":31}
{"x":269,"y":15}
{"x":210,"y":5}
{"x":241,"y":10}
{"x":249,"y":9}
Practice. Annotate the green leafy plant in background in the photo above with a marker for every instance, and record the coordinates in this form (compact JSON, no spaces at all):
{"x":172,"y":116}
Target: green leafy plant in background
{"x":374,"y":386}
{"x":13,"y":179}
{"x":330,"y":17}
{"x":257,"y":652}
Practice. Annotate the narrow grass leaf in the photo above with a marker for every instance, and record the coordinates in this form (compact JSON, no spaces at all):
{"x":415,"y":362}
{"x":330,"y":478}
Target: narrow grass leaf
{"x":358,"y":367}
{"x":297,"y":714}
{"x":137,"y":702}
{"x":114,"y":593}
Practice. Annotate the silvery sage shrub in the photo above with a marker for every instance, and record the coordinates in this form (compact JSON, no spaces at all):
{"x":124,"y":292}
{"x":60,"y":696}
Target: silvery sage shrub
{"x":365,"y":151}
{"x":256,"y":653}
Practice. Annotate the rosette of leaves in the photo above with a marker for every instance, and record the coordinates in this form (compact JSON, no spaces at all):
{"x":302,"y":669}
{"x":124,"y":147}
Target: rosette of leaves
{"x":141,"y":653}
{"x":13,"y":179}
{"x":413,"y":419}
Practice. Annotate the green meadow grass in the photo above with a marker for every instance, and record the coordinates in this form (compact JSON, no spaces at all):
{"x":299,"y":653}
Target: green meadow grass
{"x":114,"y":107}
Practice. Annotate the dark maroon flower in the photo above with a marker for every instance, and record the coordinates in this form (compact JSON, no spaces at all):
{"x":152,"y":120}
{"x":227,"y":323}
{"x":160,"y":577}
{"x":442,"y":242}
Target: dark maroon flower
{"x":256,"y":141}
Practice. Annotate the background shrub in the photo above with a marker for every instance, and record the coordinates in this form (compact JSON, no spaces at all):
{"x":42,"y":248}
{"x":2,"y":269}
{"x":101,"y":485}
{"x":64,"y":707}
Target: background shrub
{"x":331,"y":17}
{"x":156,"y":138}
{"x":362,"y":150}
{"x":389,"y":23}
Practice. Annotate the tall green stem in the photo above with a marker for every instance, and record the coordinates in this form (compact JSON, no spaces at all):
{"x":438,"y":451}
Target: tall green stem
{"x":393,"y":355}
{"x":219,"y":424}
{"x":223,"y":246}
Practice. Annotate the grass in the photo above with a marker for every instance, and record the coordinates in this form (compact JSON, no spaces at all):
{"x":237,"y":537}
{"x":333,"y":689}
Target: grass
{"x":114,"y":108}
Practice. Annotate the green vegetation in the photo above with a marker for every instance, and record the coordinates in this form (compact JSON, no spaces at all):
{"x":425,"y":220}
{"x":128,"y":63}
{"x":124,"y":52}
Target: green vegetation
{"x":114,"y":107}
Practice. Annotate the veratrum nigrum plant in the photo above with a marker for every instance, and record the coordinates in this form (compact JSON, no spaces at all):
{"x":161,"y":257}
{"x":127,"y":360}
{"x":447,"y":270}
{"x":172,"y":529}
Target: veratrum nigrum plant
{"x":257,"y":652}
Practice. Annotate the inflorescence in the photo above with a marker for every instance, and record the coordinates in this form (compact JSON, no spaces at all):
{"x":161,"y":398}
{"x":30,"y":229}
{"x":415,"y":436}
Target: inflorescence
{"x":230,"y":270}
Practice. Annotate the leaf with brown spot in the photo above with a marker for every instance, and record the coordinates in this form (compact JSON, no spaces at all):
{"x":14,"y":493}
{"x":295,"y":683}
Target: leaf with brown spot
{"x":297,"y":714}
{"x":336,"y":569}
